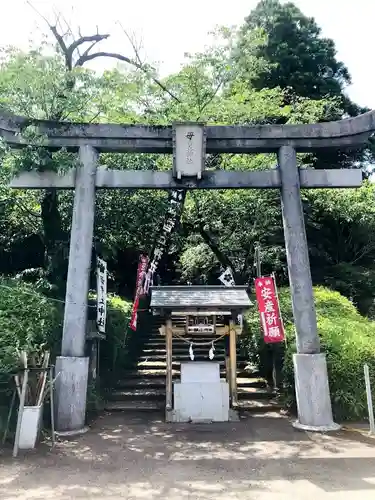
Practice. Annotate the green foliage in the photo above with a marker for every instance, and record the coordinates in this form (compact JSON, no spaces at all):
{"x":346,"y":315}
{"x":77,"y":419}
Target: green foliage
{"x":298,"y":57}
{"x":340,"y":228}
{"x":36,"y":84}
{"x":114,"y":349}
{"x":347,"y":338}
{"x":28,"y":321}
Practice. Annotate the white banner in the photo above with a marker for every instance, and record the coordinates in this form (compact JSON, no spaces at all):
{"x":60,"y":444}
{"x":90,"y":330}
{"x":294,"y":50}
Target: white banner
{"x":101,"y":290}
{"x":227,"y":278}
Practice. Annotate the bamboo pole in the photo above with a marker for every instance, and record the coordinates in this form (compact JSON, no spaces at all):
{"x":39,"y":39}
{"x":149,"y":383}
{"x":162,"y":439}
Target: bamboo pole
{"x":233,"y":363}
{"x":52,"y":405}
{"x":20,"y":411}
{"x":168,"y":346}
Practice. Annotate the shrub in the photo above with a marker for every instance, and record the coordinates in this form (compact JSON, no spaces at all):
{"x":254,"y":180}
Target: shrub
{"x":347,"y":338}
{"x":28,"y":321}
{"x":114,"y":350}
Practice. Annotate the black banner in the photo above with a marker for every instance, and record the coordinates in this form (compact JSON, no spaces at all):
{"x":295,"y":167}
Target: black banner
{"x":175,"y":205}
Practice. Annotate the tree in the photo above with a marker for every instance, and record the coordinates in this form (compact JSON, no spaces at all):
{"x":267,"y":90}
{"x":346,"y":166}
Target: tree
{"x":57,"y":87}
{"x":299,"y":58}
{"x":300,"y":61}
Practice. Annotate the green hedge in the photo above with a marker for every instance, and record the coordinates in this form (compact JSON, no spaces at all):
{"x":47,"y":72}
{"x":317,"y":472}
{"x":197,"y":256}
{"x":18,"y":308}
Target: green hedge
{"x":114,"y":350}
{"x":33,"y":322}
{"x":28,"y":321}
{"x":347,"y":338}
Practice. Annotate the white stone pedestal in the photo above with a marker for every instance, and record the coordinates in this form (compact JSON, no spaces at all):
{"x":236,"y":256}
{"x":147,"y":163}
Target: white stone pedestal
{"x":200,"y":396}
{"x":312,"y":393}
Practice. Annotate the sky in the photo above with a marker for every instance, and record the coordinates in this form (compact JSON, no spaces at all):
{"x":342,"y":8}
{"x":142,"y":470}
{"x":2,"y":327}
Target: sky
{"x":168,"y":28}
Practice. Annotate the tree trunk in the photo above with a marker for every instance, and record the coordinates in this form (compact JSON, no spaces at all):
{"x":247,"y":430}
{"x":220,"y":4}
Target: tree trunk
{"x":54,"y":238}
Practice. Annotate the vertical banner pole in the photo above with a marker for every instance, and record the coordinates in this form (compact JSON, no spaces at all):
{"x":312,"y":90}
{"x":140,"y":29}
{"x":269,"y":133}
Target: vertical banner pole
{"x":369,"y":399}
{"x":169,"y":387}
{"x":233,"y":363}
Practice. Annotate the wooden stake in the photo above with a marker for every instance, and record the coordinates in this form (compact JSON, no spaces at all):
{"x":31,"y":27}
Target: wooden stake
{"x":9,"y":416}
{"x":233,"y":363}
{"x":52,"y":406}
{"x":168,"y":347}
{"x":20,"y":412}
{"x":227,"y":360}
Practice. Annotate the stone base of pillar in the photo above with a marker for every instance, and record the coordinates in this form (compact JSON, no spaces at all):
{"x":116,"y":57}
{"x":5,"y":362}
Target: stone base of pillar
{"x":312,"y":393}
{"x":71,"y":393}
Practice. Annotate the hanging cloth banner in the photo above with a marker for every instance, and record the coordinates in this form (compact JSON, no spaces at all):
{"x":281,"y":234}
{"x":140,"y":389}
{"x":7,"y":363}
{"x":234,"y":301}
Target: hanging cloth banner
{"x":101,"y":292}
{"x":175,"y":204}
{"x":141,"y":272}
{"x":227,"y":278}
{"x":269,"y":310}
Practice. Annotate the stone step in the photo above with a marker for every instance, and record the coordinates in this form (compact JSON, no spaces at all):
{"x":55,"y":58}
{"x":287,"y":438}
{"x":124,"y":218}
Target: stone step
{"x":135,"y":405}
{"x":253,"y":406}
{"x":182,"y":349}
{"x":147,"y":394}
{"x":156,"y":341}
{"x":182,"y":357}
{"x":159,"y":354}
{"x":159,"y":382}
{"x":154,"y":382}
{"x":144,"y":371}
{"x":161,"y":364}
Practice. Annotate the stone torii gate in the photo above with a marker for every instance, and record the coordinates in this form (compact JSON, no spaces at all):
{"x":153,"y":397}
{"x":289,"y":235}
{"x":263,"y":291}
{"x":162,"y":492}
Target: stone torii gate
{"x":189,"y":143}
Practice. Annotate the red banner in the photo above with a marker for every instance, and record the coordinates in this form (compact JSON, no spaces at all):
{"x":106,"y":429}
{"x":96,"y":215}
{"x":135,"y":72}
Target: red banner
{"x":141,"y":273}
{"x":269,"y":310}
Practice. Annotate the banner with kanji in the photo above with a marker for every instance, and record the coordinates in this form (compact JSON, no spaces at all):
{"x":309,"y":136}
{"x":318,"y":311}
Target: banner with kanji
{"x":141,"y":273}
{"x":101,"y":291}
{"x":269,"y":310}
{"x":175,"y":205}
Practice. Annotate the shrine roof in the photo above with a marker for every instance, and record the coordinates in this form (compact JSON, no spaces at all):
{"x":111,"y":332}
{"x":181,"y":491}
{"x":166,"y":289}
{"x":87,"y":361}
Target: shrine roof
{"x":187,"y":298}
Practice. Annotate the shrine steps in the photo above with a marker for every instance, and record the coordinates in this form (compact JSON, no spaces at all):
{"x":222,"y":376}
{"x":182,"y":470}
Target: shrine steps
{"x":142,"y":386}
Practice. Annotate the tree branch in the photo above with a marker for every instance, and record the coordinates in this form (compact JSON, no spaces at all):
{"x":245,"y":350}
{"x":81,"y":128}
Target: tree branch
{"x":221,"y":257}
{"x":86,"y":56}
{"x":85,"y":39}
{"x":89,"y":57}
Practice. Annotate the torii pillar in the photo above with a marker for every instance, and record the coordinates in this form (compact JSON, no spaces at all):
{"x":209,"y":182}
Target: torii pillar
{"x":310,"y":366}
{"x":72,"y":365}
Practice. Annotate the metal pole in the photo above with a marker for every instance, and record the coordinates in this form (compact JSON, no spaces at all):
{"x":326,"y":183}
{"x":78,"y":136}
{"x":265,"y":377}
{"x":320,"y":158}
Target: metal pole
{"x":258,"y":261}
{"x":369,"y":399}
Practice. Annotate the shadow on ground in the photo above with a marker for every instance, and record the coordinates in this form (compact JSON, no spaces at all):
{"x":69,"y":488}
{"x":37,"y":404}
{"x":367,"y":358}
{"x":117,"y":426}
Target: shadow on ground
{"x":257,"y":458}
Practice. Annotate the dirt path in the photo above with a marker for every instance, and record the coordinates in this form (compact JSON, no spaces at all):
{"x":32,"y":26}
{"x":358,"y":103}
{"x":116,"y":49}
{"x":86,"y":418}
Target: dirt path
{"x":257,"y":458}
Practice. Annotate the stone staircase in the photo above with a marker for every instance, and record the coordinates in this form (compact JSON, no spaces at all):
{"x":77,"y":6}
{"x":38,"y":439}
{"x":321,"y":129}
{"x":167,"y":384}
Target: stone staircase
{"x":142,"y":387}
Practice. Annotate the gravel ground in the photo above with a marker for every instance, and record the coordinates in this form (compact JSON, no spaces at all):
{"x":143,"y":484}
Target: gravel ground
{"x":260,"y":458}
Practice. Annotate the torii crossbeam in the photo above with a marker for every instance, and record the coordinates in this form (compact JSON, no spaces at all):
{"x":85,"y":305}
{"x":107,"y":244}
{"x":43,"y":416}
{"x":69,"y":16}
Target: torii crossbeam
{"x":312,"y":389}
